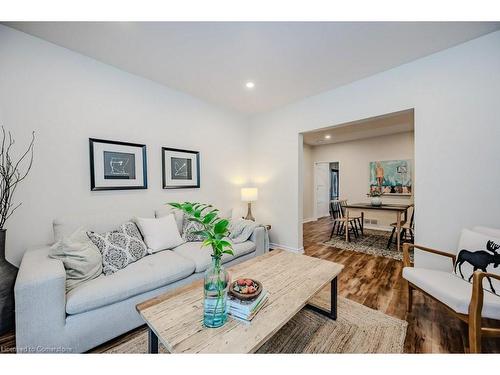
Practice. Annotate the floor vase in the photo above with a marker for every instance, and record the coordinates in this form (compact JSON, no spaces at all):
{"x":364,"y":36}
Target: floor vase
{"x":8,"y":274}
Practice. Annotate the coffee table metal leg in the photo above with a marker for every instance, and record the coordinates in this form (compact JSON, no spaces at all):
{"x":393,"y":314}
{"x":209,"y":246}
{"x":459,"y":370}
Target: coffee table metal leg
{"x":152,"y":342}
{"x":332,"y":314}
{"x":333,"y":299}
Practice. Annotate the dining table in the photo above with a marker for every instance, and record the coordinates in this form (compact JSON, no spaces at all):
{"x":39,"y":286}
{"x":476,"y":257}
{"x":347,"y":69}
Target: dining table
{"x":401,"y":211}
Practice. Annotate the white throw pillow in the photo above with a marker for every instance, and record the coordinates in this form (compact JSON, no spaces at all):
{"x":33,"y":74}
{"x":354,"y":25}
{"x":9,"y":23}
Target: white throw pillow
{"x":159,"y":234}
{"x":226,"y":214}
{"x":167,"y":210}
{"x":487,"y":231}
{"x":81,"y":258}
{"x":477,"y":251}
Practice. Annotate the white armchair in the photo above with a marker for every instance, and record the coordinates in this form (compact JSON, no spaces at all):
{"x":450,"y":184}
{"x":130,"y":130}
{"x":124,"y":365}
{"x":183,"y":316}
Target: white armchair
{"x":468,"y":302}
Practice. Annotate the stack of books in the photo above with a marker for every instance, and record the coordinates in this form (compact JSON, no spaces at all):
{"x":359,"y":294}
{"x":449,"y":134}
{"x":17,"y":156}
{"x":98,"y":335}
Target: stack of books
{"x":246,"y":310}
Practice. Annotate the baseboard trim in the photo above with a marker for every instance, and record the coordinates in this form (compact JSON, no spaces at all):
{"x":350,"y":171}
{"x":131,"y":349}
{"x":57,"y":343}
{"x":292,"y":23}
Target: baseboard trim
{"x":378,"y":227}
{"x":308,"y":220}
{"x":287,"y":248}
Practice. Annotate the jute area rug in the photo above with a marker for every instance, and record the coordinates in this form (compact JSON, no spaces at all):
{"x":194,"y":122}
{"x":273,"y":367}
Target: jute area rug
{"x":373,"y":242}
{"x":358,"y":329}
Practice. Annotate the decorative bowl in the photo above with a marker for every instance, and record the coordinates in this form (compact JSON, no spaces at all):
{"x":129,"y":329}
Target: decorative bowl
{"x":245,"y":289}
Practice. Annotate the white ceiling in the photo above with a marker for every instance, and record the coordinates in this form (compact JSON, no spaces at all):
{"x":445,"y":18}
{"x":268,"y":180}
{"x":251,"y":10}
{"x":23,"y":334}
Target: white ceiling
{"x":391,"y":123}
{"x":287,"y":60}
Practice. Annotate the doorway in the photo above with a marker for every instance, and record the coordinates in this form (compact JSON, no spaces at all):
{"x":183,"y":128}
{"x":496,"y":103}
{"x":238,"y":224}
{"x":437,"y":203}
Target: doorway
{"x":326,"y":187}
{"x":334,"y":181}
{"x":348,"y":152}
{"x":321,"y":189}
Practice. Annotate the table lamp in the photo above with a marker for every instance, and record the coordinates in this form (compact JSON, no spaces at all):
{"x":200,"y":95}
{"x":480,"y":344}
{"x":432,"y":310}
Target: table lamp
{"x":249,"y":195}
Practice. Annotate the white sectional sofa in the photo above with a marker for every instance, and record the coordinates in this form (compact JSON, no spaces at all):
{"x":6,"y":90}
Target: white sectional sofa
{"x":49,"y":320}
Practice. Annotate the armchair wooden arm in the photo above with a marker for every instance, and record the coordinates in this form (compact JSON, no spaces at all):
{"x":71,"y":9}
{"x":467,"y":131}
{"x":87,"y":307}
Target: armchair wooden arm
{"x":408,"y":246}
{"x":473,"y":318}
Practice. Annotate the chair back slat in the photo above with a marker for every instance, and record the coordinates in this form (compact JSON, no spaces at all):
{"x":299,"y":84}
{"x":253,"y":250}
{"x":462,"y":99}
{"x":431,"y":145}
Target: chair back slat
{"x":336,"y":209}
{"x":343,"y":204}
{"x":412,"y":216}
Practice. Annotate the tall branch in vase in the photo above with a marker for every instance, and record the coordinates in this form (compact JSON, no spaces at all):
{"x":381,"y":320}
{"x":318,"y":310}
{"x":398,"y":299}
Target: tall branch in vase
{"x":12,"y":172}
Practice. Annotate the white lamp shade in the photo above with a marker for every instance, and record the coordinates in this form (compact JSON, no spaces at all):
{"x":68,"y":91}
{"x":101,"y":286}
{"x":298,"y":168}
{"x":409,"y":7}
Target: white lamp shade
{"x":249,"y":194}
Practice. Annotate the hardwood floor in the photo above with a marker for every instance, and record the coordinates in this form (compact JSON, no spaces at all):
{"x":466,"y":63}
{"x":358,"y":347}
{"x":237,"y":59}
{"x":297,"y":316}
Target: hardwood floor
{"x":375,"y":282}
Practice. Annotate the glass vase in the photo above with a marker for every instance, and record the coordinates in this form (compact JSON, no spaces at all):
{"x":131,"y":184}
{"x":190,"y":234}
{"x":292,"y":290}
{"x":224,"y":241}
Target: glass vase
{"x":216,"y":286}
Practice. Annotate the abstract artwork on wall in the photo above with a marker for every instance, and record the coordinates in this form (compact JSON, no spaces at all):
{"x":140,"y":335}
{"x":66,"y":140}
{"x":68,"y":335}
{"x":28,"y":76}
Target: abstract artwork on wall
{"x":181,"y":168}
{"x":117,"y":165}
{"x":391,"y":177}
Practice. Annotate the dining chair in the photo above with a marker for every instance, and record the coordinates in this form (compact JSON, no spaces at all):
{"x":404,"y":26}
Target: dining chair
{"x":407,"y":233}
{"x":358,"y":220}
{"x":341,"y":222}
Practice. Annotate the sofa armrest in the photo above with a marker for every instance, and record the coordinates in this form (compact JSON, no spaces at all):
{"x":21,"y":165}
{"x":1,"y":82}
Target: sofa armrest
{"x":260,"y":238}
{"x":40,"y":299}
{"x":408,"y":246}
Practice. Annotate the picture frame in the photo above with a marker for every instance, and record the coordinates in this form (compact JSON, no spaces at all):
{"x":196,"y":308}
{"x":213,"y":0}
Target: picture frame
{"x":391,"y":177}
{"x":180,"y":168}
{"x":116,"y":165}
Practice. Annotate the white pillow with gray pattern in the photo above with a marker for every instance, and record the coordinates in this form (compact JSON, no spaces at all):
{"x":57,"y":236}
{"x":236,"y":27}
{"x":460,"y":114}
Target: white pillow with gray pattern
{"x":189,"y":228}
{"x":119,"y":248}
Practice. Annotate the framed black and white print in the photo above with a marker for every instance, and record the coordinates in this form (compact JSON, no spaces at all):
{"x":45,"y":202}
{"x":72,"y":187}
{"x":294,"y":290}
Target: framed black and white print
{"x":181,"y":168}
{"x":117,"y":165}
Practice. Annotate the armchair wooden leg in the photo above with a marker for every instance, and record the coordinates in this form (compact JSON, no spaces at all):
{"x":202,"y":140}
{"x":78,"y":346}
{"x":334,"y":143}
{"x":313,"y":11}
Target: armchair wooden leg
{"x":474,"y":335}
{"x":475,"y":311}
{"x":410,"y":298}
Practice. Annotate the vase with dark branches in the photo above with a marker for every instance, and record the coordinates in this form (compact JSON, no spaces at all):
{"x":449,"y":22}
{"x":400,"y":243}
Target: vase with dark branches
{"x":13,"y":170}
{"x":214,"y":231}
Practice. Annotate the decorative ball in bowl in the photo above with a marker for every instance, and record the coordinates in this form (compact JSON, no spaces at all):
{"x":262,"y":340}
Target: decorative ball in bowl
{"x":245,"y":289}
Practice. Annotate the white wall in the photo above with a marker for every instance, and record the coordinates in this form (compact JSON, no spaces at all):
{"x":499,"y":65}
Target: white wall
{"x":354,"y":158}
{"x":455,"y":94}
{"x":67,"y":98}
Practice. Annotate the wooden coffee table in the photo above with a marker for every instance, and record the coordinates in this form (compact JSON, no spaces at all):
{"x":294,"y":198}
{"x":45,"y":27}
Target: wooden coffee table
{"x":292,"y":280}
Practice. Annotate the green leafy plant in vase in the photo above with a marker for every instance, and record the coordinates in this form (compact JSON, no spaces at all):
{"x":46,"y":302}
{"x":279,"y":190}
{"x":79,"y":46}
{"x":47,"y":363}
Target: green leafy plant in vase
{"x":215,"y":231}
{"x":376,"y":199}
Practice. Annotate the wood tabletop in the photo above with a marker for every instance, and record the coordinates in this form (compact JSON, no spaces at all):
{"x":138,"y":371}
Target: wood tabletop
{"x":291,"y":280}
{"x":387,"y":207}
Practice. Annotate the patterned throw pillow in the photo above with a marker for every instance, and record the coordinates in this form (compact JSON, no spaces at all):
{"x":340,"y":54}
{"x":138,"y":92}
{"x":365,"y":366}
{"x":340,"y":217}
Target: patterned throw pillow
{"x":477,"y":251}
{"x":188,"y":227}
{"x":119,"y":248}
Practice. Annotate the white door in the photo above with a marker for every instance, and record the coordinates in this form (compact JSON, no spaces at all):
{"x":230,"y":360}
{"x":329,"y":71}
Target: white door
{"x":322,"y":189}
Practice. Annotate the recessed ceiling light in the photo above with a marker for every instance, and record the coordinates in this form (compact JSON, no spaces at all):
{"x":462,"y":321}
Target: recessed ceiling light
{"x":328,"y":136}
{"x":249,"y":85}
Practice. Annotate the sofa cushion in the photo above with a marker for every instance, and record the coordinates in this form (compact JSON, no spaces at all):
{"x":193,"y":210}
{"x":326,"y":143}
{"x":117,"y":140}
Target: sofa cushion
{"x":477,"y":251}
{"x":81,"y":258}
{"x":98,"y":222}
{"x":451,"y":290}
{"x":493,"y":232}
{"x":120,"y":247}
{"x":167,"y":210}
{"x":202,"y":256}
{"x":150,"y":272}
{"x":179,"y":215}
{"x":159,"y":234}
{"x":189,"y":229}
{"x":240,"y":230}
